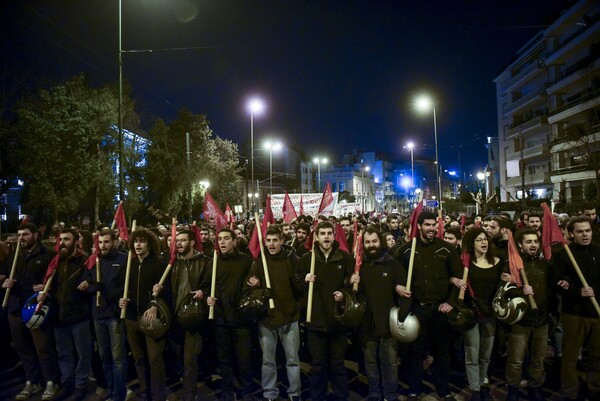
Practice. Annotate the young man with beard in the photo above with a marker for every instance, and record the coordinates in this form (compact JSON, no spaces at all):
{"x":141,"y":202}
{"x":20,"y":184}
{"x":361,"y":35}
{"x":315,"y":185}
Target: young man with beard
{"x":146,"y":269}
{"x":497,"y":231}
{"x":71,"y":318}
{"x":379,"y":282}
{"x":231,"y":333}
{"x":282,"y":321}
{"x":580,"y":321}
{"x":208,"y":246}
{"x":110,"y":329}
{"x":394,"y":226}
{"x":187,"y":274}
{"x":326,"y":337}
{"x":36,"y":348}
{"x":534,"y":221}
{"x":286,"y":230}
{"x":454,"y":237}
{"x":530,"y":334}
{"x":301,"y":235}
{"x":436,"y":265}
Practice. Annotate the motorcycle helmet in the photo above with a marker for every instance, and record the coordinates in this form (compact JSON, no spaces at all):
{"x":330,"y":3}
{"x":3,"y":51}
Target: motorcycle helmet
{"x":33,"y":319}
{"x":255,"y":305}
{"x":405,"y":330}
{"x":508,"y":308}
{"x":158,"y":327}
{"x":191,"y":314}
{"x":350,"y":311}
{"x":462,"y":318}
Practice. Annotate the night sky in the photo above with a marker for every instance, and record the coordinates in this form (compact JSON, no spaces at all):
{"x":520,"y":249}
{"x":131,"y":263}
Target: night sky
{"x":336,"y":75}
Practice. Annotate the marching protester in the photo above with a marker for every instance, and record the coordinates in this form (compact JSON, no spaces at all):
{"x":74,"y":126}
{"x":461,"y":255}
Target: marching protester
{"x":379,"y":282}
{"x":302,"y":231}
{"x":580,"y":321}
{"x":146,"y":270}
{"x":36,"y":348}
{"x":326,"y":337}
{"x":281,"y":322}
{"x":232,"y":334}
{"x":110,"y":329}
{"x":436,"y":264}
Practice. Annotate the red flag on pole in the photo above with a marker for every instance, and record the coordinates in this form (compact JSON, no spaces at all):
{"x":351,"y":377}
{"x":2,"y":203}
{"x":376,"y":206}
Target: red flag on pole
{"x":289,"y":213}
{"x":212,"y":210}
{"x":515,"y":262}
{"x":54,"y":261}
{"x":326,"y":199}
{"x":301,"y":206}
{"x":414,"y":217}
{"x":91,"y":260}
{"x":197,"y":239}
{"x":340,"y":237}
{"x":550,"y":232}
{"x":463,"y":220}
{"x":121,"y":222}
{"x":440,"y":230}
{"x":229,"y":215}
{"x":268,"y":217}
{"x":465,"y":257}
{"x":359,"y":252}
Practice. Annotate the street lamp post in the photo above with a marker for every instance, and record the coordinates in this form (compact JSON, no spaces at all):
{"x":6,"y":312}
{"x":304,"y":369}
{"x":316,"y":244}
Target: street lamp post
{"x":256,"y":107}
{"x":120,"y":111}
{"x":271,"y":147}
{"x":318,"y":162}
{"x":424,"y":103}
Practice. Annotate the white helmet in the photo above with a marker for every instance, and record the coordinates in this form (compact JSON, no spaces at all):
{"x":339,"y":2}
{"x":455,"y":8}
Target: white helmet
{"x":507,"y":307}
{"x":405,"y":330}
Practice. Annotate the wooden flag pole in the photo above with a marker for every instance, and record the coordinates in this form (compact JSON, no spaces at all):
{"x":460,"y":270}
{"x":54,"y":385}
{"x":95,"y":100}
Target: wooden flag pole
{"x":580,"y":274}
{"x":263,"y":258}
{"x":98,"y":274}
{"x":411,"y":262}
{"x":163,"y":278}
{"x":530,"y":296}
{"x":213,"y":285}
{"x":97,"y":279}
{"x":311,"y":285}
{"x":461,"y":293}
{"x":45,"y":291}
{"x":12,"y":274}
{"x":127,"y":274}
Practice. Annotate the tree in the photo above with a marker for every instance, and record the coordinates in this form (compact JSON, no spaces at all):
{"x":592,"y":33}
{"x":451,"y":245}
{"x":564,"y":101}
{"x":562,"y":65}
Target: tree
{"x":57,"y":137}
{"x":211,"y":158}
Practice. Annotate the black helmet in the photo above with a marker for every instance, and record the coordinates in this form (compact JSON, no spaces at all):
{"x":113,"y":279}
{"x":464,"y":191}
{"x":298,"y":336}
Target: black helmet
{"x":350,"y":311}
{"x":191,"y":314}
{"x":159,"y":326}
{"x":255,"y":305}
{"x":508,"y":308}
{"x":462,"y":318}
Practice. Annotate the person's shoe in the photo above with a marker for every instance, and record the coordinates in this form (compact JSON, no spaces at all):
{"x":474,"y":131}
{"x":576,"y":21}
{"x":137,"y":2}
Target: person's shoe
{"x":50,"y":391}
{"x":513,"y":394}
{"x":294,"y":398}
{"x":29,"y":390}
{"x":79,"y":393}
{"x":476,"y":396}
{"x":412,"y":397}
{"x":106,"y":394}
{"x":449,"y":397}
{"x":64,"y":392}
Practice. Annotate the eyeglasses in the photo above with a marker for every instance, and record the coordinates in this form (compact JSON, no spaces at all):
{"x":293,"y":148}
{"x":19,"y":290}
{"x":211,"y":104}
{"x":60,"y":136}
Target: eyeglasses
{"x":481,"y":240}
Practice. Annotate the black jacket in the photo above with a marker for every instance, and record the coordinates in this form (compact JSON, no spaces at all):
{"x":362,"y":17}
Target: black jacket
{"x":588,"y":259}
{"x":435,"y":263}
{"x":112,"y":277}
{"x":142,"y":277}
{"x":30,"y":270}
{"x":232,"y":271}
{"x":332,"y":274}
{"x":71,"y":306}
{"x":378,"y":280}
{"x":196,"y":269}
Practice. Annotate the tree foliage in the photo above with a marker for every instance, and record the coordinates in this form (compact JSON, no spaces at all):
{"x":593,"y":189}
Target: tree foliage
{"x":57,"y":134}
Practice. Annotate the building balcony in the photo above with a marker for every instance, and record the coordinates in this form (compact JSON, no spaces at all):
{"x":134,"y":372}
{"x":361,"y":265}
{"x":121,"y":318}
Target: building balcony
{"x":577,"y":172}
{"x":574,"y":72}
{"x":530,"y":179}
{"x":528,"y":125}
{"x":526,"y":73}
{"x":528,"y":99}
{"x":582,"y":37}
{"x":534,"y":151}
{"x":577,"y":103}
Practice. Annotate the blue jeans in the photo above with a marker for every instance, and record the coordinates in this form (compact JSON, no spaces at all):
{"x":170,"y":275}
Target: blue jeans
{"x":290,"y":339}
{"x":387,"y":349}
{"x":479,"y":342}
{"x":110,"y":334}
{"x":74,"y":369}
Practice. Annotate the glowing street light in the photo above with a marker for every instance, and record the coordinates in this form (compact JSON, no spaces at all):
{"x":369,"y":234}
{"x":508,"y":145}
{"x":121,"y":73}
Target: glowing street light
{"x":423,"y":104}
{"x":318,"y":161}
{"x":256,"y":106}
{"x":272,"y":146}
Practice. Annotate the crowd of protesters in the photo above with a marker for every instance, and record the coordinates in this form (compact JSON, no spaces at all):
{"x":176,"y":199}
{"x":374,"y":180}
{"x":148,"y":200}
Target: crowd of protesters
{"x":303,"y":259}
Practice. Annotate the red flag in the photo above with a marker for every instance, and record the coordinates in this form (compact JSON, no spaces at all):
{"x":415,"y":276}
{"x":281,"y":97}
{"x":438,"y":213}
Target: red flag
{"x":301,"y":206}
{"x":310,"y":238}
{"x":229,"y":215}
{"x":440,"y":230}
{"x":340,"y":237}
{"x":173,"y":248}
{"x":54,"y":262}
{"x":25,"y":219}
{"x":289,"y":213}
{"x":212,"y":210}
{"x":514,"y":260}
{"x":121,"y":222}
{"x":465,"y":257}
{"x":359,"y":251}
{"x":91,"y":260}
{"x":197,"y":239}
{"x":354,"y":238}
{"x":550,"y":232}
{"x":463,"y":221}
{"x":254,"y":244}
{"x":326,"y":199}
{"x":414,"y":217}
{"x":268,"y":218}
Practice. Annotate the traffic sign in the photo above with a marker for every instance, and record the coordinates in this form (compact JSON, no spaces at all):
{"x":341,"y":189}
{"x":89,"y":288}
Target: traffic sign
{"x":432,"y":203}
